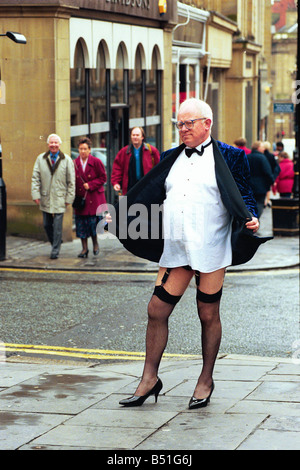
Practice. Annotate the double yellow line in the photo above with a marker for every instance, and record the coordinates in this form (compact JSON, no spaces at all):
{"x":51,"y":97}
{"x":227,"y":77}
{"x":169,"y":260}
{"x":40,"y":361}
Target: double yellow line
{"x":82,"y":353}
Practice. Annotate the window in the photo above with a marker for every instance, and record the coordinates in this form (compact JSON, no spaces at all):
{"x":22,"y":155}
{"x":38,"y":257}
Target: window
{"x":136,"y":88}
{"x":78,"y":95}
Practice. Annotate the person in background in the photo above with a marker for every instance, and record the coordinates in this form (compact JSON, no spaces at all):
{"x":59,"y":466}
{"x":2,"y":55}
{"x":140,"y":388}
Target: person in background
{"x":275,"y":169}
{"x":285,"y":180}
{"x":241,"y":144}
{"x":133,"y":162}
{"x":261,"y":176}
{"x":53,"y":189}
{"x":279,"y":148}
{"x":90,"y":178}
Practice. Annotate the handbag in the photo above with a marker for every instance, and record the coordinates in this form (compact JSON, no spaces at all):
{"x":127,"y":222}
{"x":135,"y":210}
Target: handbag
{"x":79,"y":201}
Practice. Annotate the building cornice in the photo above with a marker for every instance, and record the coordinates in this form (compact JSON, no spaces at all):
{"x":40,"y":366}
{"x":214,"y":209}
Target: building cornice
{"x":246,"y":45}
{"x":222,"y":22}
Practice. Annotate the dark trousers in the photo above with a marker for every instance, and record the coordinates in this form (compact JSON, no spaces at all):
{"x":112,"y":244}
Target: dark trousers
{"x":53,"y":227}
{"x":260,"y":202}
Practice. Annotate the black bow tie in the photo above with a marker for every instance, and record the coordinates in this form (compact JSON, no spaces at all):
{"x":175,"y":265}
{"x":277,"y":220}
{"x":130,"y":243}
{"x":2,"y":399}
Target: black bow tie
{"x":189,"y":152}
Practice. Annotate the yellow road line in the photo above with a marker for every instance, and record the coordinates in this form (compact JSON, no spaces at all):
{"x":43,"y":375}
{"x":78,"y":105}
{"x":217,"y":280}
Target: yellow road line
{"x":83,"y":353}
{"x":249,"y":272}
{"x":69,"y":271}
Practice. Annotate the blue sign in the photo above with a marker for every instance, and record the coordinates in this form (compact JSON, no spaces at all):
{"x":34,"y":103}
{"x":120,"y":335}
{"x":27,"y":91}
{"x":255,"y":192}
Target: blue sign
{"x":283,"y":108}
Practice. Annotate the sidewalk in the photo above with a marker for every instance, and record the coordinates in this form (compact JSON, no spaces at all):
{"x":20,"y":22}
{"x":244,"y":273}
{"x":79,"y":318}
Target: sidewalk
{"x":255,"y":405}
{"x":71,"y":406}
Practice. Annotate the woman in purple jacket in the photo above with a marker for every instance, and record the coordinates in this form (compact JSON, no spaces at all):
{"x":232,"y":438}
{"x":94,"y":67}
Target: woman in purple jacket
{"x":90,"y":178}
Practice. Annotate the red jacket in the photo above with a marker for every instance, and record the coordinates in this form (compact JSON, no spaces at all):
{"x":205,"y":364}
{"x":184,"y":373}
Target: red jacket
{"x":95,"y":176}
{"x":119,"y":174}
{"x":285,"y":180}
{"x":246,"y":150}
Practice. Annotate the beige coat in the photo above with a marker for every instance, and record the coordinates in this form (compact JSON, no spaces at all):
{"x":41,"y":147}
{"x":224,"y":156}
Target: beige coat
{"x":55,"y":187}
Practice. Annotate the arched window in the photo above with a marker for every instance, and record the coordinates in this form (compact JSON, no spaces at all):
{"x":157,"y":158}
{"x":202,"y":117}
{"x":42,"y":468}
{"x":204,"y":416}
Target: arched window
{"x":78,"y":92}
{"x":118,"y":80}
{"x":153,"y":101}
{"x":98,"y":88}
{"x":136,"y":87}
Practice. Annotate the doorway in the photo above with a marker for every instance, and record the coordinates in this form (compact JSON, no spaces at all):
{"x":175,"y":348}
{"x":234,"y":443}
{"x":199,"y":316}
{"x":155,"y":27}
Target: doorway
{"x":119,"y":135}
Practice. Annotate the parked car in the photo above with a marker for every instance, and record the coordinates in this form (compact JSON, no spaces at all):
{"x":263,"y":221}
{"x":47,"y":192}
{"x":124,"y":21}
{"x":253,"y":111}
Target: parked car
{"x":98,"y":152}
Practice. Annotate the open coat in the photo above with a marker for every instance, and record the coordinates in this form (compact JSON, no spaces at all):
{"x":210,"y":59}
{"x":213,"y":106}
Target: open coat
{"x":55,"y":187}
{"x":120,"y":169}
{"x":232,"y":174}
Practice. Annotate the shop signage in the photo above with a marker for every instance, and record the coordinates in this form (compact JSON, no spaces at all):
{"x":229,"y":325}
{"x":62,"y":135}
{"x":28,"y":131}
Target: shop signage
{"x":283,"y":107}
{"x":132,"y":3}
{"x":150,"y":9}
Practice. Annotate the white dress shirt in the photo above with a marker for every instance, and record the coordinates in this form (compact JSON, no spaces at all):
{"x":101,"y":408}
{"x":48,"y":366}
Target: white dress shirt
{"x":197,"y":226}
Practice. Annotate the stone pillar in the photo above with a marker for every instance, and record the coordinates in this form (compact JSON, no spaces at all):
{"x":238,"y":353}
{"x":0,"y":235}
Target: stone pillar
{"x":36,"y":78}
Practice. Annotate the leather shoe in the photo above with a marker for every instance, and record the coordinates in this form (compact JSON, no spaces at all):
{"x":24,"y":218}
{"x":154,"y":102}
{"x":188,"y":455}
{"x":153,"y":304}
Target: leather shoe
{"x":200,"y":402}
{"x":136,"y":400}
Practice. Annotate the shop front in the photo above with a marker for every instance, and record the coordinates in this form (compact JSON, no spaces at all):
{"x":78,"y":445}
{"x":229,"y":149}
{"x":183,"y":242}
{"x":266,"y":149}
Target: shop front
{"x":92,"y":68}
{"x":116,"y":84}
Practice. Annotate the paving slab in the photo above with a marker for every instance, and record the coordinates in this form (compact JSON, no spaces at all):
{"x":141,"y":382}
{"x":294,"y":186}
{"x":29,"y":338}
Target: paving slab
{"x":93,"y":437}
{"x":203,"y":431}
{"x":18,"y":428}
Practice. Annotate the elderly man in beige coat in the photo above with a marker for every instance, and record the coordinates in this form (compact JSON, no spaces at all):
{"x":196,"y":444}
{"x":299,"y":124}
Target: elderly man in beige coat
{"x":53,"y":189}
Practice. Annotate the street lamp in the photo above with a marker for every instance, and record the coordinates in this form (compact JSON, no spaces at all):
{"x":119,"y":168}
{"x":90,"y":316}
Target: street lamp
{"x":19,"y":39}
{"x":16,"y":37}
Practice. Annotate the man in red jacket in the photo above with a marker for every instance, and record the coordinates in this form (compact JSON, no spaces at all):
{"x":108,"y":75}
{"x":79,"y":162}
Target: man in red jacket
{"x":133,"y":162}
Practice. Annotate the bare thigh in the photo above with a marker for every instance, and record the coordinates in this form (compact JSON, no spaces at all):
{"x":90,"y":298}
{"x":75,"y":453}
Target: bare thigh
{"x":210,"y":283}
{"x":177,"y":282}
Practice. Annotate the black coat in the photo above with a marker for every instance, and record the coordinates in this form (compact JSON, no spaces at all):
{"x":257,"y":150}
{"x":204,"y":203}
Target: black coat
{"x":150,"y":192}
{"x":261,"y":176}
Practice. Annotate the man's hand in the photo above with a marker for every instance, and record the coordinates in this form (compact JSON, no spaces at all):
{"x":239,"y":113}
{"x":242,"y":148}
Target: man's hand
{"x":108,"y":218}
{"x":253,"y":224}
{"x":37,"y":201}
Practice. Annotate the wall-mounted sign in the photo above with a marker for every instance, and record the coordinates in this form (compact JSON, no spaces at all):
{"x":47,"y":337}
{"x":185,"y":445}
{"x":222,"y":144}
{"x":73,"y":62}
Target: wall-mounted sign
{"x":154,"y":9}
{"x":283,"y":108}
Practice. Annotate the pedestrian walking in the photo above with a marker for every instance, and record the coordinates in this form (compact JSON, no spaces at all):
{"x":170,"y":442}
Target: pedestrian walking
{"x":241,"y":144}
{"x":261,"y":176}
{"x":133,"y":162}
{"x":53,"y":189}
{"x":285,"y":180}
{"x":90,"y":179}
{"x":279,"y":148}
{"x":207,"y":184}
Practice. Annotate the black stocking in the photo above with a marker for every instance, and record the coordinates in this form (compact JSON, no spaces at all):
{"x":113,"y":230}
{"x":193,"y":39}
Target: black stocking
{"x":156,"y":341}
{"x":211,"y":339}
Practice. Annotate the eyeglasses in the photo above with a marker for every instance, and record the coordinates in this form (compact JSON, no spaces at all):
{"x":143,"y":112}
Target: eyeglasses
{"x":188,"y":124}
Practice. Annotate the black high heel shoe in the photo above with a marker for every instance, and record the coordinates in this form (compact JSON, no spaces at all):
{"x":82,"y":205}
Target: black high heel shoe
{"x":139,"y":400}
{"x":83,"y":255}
{"x":200,"y":402}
